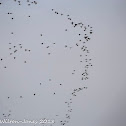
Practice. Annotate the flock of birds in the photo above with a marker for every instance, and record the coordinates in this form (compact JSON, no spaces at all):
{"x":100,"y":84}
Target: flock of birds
{"x":19,"y":2}
{"x":81,"y":45}
{"x":28,"y":1}
{"x":13,"y":49}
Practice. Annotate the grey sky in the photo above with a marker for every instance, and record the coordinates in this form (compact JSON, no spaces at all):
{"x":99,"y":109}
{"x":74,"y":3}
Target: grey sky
{"x":103,"y":103}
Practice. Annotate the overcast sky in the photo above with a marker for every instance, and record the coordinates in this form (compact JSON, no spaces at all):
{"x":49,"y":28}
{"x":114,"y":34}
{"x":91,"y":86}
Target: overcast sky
{"x":38,"y":73}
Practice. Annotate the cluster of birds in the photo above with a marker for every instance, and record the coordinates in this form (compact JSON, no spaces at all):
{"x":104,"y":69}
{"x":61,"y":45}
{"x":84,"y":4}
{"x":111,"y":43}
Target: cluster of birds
{"x":14,"y":49}
{"x":81,"y":44}
{"x":29,"y":2}
{"x":7,"y":115}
